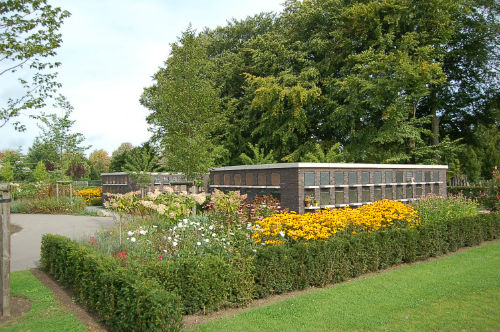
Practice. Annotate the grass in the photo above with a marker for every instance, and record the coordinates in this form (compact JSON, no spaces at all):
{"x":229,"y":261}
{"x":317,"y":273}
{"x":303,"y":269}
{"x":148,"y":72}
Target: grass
{"x":46,"y":313}
{"x":460,"y":292}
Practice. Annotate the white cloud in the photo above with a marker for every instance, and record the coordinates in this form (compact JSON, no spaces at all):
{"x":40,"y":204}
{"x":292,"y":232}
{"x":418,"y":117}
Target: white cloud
{"x":110,"y":51}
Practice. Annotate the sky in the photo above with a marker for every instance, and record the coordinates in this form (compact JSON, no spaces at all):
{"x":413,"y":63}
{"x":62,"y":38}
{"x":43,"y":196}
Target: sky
{"x":110,"y":51}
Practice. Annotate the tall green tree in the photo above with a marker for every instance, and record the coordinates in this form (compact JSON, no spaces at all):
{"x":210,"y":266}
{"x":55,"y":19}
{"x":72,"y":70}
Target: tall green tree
{"x":28,"y":40}
{"x":57,"y":132}
{"x":184,"y":108}
{"x":99,"y":163}
{"x":140,"y":162}
{"x":119,"y":157}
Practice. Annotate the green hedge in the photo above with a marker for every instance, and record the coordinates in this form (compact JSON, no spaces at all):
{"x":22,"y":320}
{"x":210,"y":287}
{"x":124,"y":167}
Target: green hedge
{"x":124,"y":301}
{"x":286,"y":268}
{"x":153,"y":296}
{"x":207,"y":283}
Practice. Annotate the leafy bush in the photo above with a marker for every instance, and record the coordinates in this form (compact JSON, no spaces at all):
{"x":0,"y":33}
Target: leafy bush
{"x":18,"y":207}
{"x":168,"y":204}
{"x":207,"y":283}
{"x":490,"y":198}
{"x":434,"y":208}
{"x":50,"y":205}
{"x":124,"y":300}
{"x":285,"y":268}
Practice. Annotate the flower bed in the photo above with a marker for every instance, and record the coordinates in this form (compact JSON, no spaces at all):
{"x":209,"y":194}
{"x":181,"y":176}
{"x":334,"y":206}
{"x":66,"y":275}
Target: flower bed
{"x":276,"y":229}
{"x":91,"y":196}
{"x":220,"y":258}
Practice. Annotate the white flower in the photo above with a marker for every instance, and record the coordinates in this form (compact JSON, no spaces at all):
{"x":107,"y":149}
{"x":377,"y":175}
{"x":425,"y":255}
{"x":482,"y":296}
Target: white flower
{"x":179,"y":224}
{"x":282,"y":234}
{"x":214,"y":235}
{"x":154,"y":226}
{"x":185,"y":221}
{"x":130,"y":233}
{"x":165,"y":250}
{"x":143,"y":232}
{"x":198,"y":243}
{"x":133,"y":239}
{"x":211,"y":227}
{"x":169,"y":238}
{"x":207,"y":240}
{"x":174,"y":244}
{"x":254,"y":250}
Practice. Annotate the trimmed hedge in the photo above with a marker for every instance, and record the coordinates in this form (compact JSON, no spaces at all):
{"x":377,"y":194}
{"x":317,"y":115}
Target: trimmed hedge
{"x":280,"y":269}
{"x":207,"y":283}
{"x":152,"y":297}
{"x":125,"y":301}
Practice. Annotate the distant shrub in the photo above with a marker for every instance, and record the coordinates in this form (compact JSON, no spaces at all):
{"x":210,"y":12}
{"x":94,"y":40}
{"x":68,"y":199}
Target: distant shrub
{"x":53,"y":206}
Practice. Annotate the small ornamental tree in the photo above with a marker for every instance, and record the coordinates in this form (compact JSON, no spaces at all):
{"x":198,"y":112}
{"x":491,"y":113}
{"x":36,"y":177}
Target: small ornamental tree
{"x":7,"y":172}
{"x":40,"y":173}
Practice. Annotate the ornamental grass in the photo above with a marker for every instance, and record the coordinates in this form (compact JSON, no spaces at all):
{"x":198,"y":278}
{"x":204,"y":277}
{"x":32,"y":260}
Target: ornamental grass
{"x":280,"y":228}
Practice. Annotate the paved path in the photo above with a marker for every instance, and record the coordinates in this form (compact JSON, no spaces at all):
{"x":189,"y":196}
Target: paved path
{"x":25,"y":244}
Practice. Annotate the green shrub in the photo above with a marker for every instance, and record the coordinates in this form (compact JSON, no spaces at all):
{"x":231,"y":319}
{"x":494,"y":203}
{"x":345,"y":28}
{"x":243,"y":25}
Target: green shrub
{"x":284,"y":268}
{"x":206,"y":283}
{"x":124,"y":300}
{"x":50,"y":205}
{"x":18,"y":207}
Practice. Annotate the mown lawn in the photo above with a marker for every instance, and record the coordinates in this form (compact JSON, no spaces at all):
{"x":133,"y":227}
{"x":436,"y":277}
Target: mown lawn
{"x":460,"y":292}
{"x":46,"y":313}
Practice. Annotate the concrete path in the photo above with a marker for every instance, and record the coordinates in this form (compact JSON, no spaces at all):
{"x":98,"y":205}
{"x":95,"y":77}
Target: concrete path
{"x":25,"y":244}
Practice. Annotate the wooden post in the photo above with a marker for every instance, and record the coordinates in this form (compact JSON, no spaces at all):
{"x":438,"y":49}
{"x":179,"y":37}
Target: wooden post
{"x":57,"y":190}
{"x":5,"y":244}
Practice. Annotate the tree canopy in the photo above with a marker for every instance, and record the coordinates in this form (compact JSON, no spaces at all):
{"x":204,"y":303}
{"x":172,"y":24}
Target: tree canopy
{"x":28,"y":40}
{"x":356,"y":81}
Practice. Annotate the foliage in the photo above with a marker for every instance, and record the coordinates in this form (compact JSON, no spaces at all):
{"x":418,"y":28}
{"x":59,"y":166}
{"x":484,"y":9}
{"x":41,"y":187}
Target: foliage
{"x":91,"y":196}
{"x":490,"y":198}
{"x":56,"y":132}
{"x":40,"y":172}
{"x":207,"y":283}
{"x":259,"y":156}
{"x":7,"y":172}
{"x":119,"y":157}
{"x":28,"y":37}
{"x":317,"y":155}
{"x":284,"y":227}
{"x":397,"y":300}
{"x":99,"y":163}
{"x":390,"y":81}
{"x":185,"y":108}
{"x":140,"y":162}
{"x":168,"y":204}
{"x":51,"y":205}
{"x":125,"y":301}
{"x":17,"y":163}
{"x":284,"y":268}
{"x":434,"y":208}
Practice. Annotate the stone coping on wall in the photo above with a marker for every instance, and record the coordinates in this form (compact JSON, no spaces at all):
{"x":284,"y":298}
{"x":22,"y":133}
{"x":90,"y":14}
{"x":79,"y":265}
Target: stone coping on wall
{"x":327,"y":165}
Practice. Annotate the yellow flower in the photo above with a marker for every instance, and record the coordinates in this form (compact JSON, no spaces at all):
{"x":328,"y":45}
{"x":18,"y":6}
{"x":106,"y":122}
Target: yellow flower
{"x":326,"y":223}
